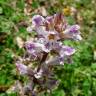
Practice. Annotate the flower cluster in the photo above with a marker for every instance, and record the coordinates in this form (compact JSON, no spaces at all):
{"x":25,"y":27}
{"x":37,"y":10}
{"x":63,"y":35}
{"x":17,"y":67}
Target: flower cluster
{"x":47,"y":49}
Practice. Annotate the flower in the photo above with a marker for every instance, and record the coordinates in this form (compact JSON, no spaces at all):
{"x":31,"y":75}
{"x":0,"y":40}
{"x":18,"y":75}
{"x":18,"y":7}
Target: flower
{"x":21,"y":68}
{"x":35,"y":47}
{"x":57,"y":60}
{"x":73,"y":32}
{"x":66,"y":50}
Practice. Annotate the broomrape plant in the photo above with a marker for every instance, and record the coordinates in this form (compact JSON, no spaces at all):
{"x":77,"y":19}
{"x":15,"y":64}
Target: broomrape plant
{"x":47,"y":49}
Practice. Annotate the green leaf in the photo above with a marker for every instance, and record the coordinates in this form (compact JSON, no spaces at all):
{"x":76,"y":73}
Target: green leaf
{"x":58,"y":93}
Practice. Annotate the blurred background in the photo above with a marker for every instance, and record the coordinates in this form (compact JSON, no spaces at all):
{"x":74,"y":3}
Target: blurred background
{"x":77,"y":79}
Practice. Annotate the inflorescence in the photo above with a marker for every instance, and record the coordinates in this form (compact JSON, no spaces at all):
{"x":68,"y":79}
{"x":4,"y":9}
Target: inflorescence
{"x":47,"y":49}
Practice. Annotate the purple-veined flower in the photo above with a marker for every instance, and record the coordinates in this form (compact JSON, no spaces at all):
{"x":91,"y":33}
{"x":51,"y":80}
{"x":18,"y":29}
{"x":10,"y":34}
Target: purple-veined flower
{"x":66,"y":50}
{"x":73,"y":32}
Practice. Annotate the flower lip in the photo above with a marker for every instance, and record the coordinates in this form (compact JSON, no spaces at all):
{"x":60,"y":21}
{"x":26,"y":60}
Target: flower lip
{"x":37,"y":20}
{"x":74,"y":29}
{"x":66,"y":50}
{"x":21,"y":67}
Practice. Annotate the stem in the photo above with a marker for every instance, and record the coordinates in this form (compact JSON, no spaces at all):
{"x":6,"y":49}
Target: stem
{"x":42,"y":60}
